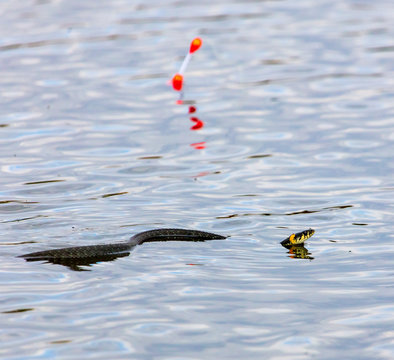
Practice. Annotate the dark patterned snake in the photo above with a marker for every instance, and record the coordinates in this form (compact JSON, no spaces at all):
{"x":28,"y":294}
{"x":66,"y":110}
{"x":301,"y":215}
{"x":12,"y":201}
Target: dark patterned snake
{"x":86,"y":255}
{"x":75,"y":256}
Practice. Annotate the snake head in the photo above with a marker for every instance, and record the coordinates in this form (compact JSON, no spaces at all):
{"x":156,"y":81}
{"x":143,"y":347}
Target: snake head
{"x":298,"y":238}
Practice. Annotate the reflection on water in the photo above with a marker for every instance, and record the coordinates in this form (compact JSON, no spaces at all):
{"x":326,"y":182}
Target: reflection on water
{"x":199,"y":146}
{"x":77,"y":263}
{"x":298,"y":252}
{"x":198,"y":124}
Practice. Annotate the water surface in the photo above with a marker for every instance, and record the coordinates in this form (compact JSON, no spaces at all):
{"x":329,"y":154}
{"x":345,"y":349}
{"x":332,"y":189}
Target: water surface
{"x":296,"y":104}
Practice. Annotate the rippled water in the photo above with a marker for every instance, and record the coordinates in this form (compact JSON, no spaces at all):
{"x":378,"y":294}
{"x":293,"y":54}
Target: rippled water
{"x":298,"y":127}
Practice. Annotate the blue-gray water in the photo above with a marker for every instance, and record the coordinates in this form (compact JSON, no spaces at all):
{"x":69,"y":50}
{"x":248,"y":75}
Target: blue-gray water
{"x":297,"y":104}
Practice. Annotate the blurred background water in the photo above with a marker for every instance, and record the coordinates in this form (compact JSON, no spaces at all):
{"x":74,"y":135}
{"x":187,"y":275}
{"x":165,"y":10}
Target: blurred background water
{"x":296,"y":101}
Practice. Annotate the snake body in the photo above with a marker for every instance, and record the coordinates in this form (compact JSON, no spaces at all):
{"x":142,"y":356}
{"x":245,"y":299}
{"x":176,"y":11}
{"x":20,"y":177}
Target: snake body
{"x":120,"y":249}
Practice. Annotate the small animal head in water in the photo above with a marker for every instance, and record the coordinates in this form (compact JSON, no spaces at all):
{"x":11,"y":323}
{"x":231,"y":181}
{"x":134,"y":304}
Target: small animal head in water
{"x":298,"y":238}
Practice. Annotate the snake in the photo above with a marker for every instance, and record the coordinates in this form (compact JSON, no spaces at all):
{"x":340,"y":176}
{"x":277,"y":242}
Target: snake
{"x":75,"y":256}
{"x":121,"y":249}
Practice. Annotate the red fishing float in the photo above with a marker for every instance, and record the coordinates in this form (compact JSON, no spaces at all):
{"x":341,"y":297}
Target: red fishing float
{"x":177,"y":80}
{"x":195,"y":45}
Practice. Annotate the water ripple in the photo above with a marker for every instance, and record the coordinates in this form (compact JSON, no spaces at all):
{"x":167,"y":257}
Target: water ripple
{"x":297,"y":133}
